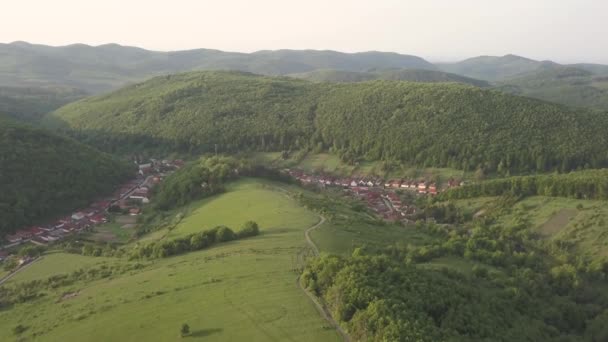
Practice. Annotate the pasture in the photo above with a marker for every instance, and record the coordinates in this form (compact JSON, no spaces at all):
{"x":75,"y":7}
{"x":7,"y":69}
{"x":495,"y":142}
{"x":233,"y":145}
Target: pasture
{"x":242,"y":290}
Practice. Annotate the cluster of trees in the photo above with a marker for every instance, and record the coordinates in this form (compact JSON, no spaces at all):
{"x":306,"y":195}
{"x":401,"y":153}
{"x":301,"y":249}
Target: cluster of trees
{"x":195,"y":242}
{"x":202,"y":178}
{"x":449,"y":125}
{"x":31,"y":103}
{"x":390,"y":297}
{"x":587,"y":184}
{"x":43,"y":175}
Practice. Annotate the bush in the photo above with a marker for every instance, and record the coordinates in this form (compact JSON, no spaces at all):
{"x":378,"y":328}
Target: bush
{"x":225,"y":234}
{"x":250,"y":228}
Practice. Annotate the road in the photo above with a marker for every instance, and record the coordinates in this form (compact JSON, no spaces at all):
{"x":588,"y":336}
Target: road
{"x":21,"y":268}
{"x":321,"y":307}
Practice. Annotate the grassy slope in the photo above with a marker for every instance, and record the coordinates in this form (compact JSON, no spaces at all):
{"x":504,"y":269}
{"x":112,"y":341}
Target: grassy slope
{"x":326,"y":162}
{"x":236,"y":291}
{"x":582,"y":222}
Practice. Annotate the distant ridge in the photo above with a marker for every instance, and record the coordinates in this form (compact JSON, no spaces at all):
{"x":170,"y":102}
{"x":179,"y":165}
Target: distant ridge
{"x":110,"y":66}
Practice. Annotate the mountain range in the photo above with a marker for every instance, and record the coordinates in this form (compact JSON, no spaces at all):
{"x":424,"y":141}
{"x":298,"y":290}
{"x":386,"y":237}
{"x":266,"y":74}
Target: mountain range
{"x":99,"y":69}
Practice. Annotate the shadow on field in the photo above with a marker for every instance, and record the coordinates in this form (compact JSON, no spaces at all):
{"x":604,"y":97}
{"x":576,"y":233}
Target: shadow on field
{"x":205,"y":332}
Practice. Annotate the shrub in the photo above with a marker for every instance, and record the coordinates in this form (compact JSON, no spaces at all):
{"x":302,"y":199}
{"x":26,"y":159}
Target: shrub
{"x":249,"y":228}
{"x":225,"y":234}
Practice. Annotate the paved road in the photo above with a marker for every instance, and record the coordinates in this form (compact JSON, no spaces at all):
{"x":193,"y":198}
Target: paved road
{"x":320,"y":306}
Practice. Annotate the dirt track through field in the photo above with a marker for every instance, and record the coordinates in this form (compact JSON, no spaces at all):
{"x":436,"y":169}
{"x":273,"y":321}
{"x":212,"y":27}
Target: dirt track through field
{"x":321,"y":307}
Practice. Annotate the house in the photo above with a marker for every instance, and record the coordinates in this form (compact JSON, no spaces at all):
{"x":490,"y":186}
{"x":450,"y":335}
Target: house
{"x":353,"y":183}
{"x":134,"y":211}
{"x":15,"y":238}
{"x":97,"y":219}
{"x":433,"y":189}
{"x":422,"y":188}
{"x":78,"y":216}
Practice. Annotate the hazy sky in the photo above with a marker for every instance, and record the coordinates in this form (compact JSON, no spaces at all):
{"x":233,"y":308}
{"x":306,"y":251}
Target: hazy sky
{"x":562,"y":30}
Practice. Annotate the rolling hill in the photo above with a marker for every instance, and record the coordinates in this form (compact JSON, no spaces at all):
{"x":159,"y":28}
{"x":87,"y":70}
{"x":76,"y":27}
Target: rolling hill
{"x":492,"y":68}
{"x":106,"y":67}
{"x":561,"y":84}
{"x":412,"y":75}
{"x":432,"y":124}
{"x":44,"y":174}
{"x":31,"y":103}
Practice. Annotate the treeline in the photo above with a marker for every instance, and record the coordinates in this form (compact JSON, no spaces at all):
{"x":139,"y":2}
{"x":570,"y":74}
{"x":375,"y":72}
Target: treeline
{"x":588,"y":184}
{"x":198,"y":179}
{"x":515,"y":292}
{"x":44,"y":175}
{"x":441,"y":125}
{"x":195,"y":242}
{"x":380,"y":298}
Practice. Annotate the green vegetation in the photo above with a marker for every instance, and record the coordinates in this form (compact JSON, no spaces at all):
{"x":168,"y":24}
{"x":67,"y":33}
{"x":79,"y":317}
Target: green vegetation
{"x":492,"y":278}
{"x":197,"y":180}
{"x":588,"y":184}
{"x":560,"y":84}
{"x":31,"y":103}
{"x":412,"y":75}
{"x":106,"y":67}
{"x":249,"y":281}
{"x":45,"y":175}
{"x":479,"y":129}
{"x":492,"y":68}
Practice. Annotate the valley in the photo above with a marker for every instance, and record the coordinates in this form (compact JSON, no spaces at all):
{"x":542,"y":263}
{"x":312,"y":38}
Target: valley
{"x":300,"y":195}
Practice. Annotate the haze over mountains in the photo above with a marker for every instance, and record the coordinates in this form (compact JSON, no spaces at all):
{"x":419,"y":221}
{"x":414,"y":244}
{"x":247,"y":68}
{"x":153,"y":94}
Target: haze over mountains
{"x":97,"y":69}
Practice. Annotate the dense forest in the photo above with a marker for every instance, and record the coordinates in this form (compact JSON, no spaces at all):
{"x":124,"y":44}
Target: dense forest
{"x":450,"y":125}
{"x":588,"y":184}
{"x":413,"y":75}
{"x":98,"y":69}
{"x":31,"y":103}
{"x":566,"y":85}
{"x":198,"y":179}
{"x":43,"y":174}
{"x":482,"y":280}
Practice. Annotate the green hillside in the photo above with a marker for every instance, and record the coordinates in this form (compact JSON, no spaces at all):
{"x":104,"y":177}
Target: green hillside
{"x":413,"y":75}
{"x":450,"y":125}
{"x":106,"y":67}
{"x":31,"y":103}
{"x":561,"y":84}
{"x":492,"y":68}
{"x":44,"y":175}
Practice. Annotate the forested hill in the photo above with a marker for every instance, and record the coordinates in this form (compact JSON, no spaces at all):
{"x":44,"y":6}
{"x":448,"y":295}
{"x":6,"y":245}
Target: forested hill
{"x":414,"y":75}
{"x":106,"y":67}
{"x":428,"y":124}
{"x":31,"y":103}
{"x":44,"y":175}
{"x":571,"y":86}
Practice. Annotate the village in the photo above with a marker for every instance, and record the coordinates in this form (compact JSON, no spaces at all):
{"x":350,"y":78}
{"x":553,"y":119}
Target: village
{"x":127,"y":199}
{"x":380,"y":196}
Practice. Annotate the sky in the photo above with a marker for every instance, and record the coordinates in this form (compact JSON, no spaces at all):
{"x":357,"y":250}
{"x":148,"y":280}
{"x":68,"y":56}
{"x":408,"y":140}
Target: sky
{"x":565,"y":31}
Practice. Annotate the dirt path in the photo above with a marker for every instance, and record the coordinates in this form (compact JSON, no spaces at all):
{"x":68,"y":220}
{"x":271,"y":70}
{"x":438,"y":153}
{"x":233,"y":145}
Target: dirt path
{"x":321,"y":308}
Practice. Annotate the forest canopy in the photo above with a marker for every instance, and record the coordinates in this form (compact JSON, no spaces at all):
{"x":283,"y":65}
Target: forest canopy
{"x":43,"y":174}
{"x":437,"y":125}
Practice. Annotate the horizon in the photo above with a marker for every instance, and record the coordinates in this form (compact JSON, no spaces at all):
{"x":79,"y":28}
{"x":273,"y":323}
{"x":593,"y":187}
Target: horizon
{"x":436,"y":30}
{"x":429,"y":59}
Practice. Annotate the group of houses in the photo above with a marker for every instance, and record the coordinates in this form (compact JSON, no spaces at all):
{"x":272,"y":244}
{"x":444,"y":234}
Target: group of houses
{"x":379,"y":195}
{"x":129,"y":197}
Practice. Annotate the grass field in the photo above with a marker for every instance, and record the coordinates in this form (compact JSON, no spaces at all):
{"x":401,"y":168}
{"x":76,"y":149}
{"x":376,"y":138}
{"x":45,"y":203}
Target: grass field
{"x":243,"y":290}
{"x":113,"y":232}
{"x":582,"y":222}
{"x":57,"y":263}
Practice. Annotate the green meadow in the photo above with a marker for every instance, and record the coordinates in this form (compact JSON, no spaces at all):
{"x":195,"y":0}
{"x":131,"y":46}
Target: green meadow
{"x":242,"y":290}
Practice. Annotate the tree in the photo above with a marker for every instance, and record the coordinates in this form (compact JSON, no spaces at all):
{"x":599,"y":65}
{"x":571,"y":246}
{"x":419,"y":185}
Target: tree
{"x":250,"y":228}
{"x":185,"y":330}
